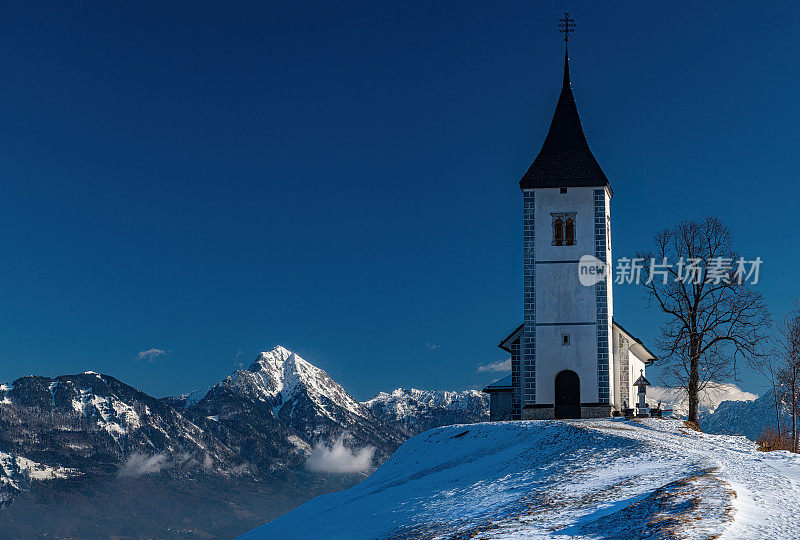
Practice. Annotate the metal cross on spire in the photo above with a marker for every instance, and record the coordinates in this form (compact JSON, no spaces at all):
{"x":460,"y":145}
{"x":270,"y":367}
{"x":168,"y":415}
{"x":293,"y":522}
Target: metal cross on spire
{"x":566,"y":26}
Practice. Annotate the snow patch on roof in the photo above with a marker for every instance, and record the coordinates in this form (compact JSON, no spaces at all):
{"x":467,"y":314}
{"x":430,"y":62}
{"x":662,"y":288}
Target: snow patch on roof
{"x":505,"y":382}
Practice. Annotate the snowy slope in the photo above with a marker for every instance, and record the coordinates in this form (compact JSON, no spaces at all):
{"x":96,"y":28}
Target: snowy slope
{"x":562,"y":479}
{"x":414,"y":411}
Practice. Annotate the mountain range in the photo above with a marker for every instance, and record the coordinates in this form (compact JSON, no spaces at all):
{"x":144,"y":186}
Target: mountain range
{"x":413,"y":411}
{"x":88,"y":455}
{"x":725,"y":409}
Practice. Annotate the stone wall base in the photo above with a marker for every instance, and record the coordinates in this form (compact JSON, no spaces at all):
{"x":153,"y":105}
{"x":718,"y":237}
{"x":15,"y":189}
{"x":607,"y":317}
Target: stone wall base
{"x":548,"y":413}
{"x":544,"y":413}
{"x":602,"y":411}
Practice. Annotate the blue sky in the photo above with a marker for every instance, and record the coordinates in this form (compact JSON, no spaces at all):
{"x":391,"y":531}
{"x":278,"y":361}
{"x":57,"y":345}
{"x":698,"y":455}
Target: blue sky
{"x":212,"y":180}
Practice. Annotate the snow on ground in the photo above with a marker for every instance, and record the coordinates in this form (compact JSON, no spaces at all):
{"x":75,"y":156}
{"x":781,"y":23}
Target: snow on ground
{"x":599,"y":478}
{"x":40,"y":471}
{"x":13,"y":468}
{"x":109,"y":413}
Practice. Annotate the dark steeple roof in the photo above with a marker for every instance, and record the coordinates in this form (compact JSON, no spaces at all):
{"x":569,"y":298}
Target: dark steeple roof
{"x":565,"y":159}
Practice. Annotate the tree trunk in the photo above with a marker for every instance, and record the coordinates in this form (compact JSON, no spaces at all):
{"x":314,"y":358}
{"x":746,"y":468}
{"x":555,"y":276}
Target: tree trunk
{"x":694,"y":379}
{"x":777,"y":408}
{"x":794,"y":418}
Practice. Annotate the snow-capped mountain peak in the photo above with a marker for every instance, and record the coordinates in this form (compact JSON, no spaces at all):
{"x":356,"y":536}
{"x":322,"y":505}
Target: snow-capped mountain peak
{"x":292,"y":404}
{"x":273,"y":360}
{"x":281,"y":376}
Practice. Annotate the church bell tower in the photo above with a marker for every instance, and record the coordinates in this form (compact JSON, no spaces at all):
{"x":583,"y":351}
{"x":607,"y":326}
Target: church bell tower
{"x":564,"y":366}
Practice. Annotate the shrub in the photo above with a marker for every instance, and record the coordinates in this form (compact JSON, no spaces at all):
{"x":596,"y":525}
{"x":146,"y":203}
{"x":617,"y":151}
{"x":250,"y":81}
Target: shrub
{"x":769,"y":440}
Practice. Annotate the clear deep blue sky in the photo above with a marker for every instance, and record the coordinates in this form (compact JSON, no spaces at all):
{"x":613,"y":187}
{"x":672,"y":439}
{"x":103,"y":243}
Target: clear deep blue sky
{"x":213,"y":179}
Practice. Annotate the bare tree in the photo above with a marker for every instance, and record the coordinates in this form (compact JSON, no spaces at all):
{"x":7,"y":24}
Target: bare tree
{"x":769,"y":368}
{"x":713,"y":318}
{"x":789,"y":372}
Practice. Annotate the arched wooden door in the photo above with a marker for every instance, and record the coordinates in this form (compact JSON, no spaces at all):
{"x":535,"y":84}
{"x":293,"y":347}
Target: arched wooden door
{"x":568,"y":395}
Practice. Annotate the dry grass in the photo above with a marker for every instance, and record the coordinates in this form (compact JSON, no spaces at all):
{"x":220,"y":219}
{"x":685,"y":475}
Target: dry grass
{"x":700,"y":502}
{"x":692,"y":426}
{"x":769,"y":440}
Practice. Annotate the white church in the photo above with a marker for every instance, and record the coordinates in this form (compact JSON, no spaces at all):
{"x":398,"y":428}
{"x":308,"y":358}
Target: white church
{"x":569,"y":357}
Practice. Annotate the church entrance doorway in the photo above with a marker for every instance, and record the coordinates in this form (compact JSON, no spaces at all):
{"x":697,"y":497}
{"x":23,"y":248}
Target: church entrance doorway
{"x":568,"y":395}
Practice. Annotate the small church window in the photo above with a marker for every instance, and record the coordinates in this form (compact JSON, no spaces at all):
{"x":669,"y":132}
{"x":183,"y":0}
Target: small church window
{"x":569,"y":232}
{"x":563,"y":190}
{"x":558,"y":232}
{"x":563,"y":228}
{"x":565,"y":339}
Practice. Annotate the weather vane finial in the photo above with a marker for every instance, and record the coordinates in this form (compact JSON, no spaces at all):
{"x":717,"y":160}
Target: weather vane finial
{"x":566,"y":26}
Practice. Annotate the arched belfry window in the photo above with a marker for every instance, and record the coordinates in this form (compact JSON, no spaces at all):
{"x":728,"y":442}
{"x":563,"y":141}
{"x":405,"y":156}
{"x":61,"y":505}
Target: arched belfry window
{"x":563,"y":228}
{"x":569,"y":232}
{"x":558,"y":232}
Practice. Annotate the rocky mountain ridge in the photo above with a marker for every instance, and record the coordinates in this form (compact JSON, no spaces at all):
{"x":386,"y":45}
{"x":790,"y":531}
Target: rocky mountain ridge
{"x":79,"y":439}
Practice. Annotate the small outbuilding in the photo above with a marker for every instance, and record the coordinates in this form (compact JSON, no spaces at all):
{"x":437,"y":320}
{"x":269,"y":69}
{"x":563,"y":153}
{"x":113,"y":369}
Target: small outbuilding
{"x":500,"y":399}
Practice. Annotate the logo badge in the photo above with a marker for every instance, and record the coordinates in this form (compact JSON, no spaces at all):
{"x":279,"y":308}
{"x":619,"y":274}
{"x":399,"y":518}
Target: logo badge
{"x":591,"y":270}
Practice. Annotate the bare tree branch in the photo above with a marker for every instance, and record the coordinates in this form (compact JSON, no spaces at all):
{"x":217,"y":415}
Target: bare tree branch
{"x":712,"y":321}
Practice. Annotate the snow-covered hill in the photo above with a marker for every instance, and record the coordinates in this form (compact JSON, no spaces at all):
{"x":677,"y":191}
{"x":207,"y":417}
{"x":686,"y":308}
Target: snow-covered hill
{"x":414,"y":411}
{"x":562,"y":479}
